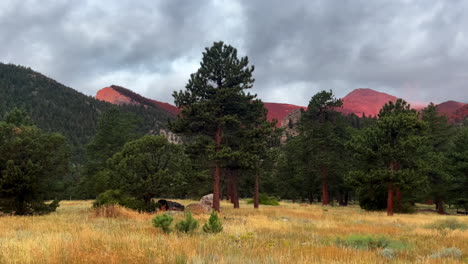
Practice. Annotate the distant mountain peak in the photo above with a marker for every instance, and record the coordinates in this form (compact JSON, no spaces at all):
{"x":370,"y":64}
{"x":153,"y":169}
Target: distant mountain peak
{"x":119,"y":95}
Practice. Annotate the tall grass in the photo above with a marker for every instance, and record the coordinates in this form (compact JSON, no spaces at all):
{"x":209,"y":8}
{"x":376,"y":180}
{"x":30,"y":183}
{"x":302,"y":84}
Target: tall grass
{"x":288,"y":233}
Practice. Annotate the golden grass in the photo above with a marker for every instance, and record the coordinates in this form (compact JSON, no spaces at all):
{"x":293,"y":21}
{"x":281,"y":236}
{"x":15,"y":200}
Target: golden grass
{"x":289,"y":233}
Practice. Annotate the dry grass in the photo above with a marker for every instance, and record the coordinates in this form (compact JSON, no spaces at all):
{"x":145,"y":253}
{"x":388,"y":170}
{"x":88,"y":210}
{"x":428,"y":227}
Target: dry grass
{"x":289,"y":233}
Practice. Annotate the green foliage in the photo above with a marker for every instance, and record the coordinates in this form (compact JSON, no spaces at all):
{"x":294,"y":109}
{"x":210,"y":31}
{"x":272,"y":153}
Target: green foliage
{"x":213,"y":225}
{"x":450,"y":223}
{"x":188,"y":225}
{"x":370,"y":242}
{"x":110,"y":197}
{"x":18,"y":117}
{"x":265,"y":200}
{"x":115,"y":129}
{"x":217,"y":109}
{"x":163,"y":222}
{"x":149,"y":167}
{"x":54,"y":107}
{"x":458,"y":164}
{"x":391,"y":152}
{"x":30,"y":161}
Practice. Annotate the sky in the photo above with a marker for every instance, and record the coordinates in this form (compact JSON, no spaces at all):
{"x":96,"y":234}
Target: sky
{"x":417,"y":50}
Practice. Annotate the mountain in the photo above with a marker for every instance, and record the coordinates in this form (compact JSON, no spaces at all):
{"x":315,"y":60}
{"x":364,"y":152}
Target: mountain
{"x":54,"y":107}
{"x":120,"y":95}
{"x":279,"y":111}
{"x":360,"y":102}
{"x":365,"y":102}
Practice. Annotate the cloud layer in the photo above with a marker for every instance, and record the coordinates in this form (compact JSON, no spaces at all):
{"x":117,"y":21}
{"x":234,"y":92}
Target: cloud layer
{"x":413,"y":49}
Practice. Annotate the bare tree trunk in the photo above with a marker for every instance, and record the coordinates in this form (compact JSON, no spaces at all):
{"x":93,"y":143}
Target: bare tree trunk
{"x":398,"y":198}
{"x":324,"y":186}
{"x":390,"y":200}
{"x":234,"y":189}
{"x":440,"y":206}
{"x":256,"y":191}
{"x":311,"y":197}
{"x":346,"y":198}
{"x":216,"y":204}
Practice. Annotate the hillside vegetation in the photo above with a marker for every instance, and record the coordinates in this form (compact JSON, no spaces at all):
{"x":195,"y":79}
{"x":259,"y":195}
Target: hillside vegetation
{"x":54,"y":107}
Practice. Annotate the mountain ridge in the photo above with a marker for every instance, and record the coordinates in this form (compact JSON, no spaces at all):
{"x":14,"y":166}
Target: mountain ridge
{"x":361,"y":101}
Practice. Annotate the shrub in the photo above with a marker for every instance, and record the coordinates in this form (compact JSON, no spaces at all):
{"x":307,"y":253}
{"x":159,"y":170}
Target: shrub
{"x":265,"y":200}
{"x":213,"y":225}
{"x":163,"y":222}
{"x":450,"y":223}
{"x":112,"y":197}
{"x":387,"y":253}
{"x":452,"y":252}
{"x":370,"y":242}
{"x":188,"y":224}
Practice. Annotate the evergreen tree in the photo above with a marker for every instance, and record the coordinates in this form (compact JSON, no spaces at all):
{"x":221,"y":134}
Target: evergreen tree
{"x":438,"y":134}
{"x":30,"y":161}
{"x":458,"y":157}
{"x":318,"y":127}
{"x":214,"y":103}
{"x":149,"y":167}
{"x":114,"y":130}
{"x":391,"y":152}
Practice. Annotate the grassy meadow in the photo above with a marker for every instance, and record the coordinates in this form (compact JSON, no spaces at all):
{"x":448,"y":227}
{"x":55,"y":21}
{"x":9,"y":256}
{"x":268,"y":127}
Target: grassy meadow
{"x":289,"y":233}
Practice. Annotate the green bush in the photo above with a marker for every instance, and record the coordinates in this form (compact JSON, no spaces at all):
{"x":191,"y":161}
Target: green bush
{"x":188,"y":225}
{"x":265,"y":200}
{"x":110,"y":197}
{"x":163,"y":221}
{"x":370,"y":242}
{"x":213,"y":225}
{"x":450,"y":223}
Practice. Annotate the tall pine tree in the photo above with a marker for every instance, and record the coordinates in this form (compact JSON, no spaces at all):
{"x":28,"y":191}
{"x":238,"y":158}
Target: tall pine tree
{"x":391,"y":151}
{"x":214,"y":103}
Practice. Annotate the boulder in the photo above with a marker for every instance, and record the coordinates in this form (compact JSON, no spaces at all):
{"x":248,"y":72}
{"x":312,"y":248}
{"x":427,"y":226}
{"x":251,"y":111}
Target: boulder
{"x":207,"y":200}
{"x":165,"y":205}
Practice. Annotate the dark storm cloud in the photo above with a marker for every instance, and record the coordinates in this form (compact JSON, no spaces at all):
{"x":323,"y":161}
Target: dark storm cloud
{"x":414,"y":49}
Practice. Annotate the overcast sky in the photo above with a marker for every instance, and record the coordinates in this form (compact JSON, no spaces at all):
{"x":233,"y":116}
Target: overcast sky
{"x":417,"y":50}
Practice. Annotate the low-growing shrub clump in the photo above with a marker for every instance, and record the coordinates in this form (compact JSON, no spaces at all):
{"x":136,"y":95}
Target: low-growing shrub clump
{"x":265,"y":200}
{"x":370,"y":242}
{"x":111,"y":197}
{"x":387,"y":253}
{"x":188,"y":225}
{"x":450,"y":223}
{"x":213,"y":225}
{"x":163,"y":221}
{"x":452,"y":252}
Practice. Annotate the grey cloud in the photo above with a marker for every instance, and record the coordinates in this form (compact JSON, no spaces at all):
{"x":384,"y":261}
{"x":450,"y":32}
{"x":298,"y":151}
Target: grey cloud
{"x":407,"y":48}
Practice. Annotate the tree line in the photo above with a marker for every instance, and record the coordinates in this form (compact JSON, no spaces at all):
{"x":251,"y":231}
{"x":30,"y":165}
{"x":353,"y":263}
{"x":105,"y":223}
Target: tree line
{"x":230,"y":149}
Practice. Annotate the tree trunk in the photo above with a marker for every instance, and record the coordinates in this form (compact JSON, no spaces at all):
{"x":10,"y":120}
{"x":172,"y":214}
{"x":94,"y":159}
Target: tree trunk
{"x":216,"y":205}
{"x":229,"y":185}
{"x":256,"y":191}
{"x":324,"y":186}
{"x":346,"y":198}
{"x":440,"y":206}
{"x":234,"y":189}
{"x":390,"y":200}
{"x":398,"y":198}
{"x":311,"y":198}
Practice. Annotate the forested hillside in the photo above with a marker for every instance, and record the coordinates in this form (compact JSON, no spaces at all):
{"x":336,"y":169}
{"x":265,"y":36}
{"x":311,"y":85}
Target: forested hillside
{"x":54,"y":107}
